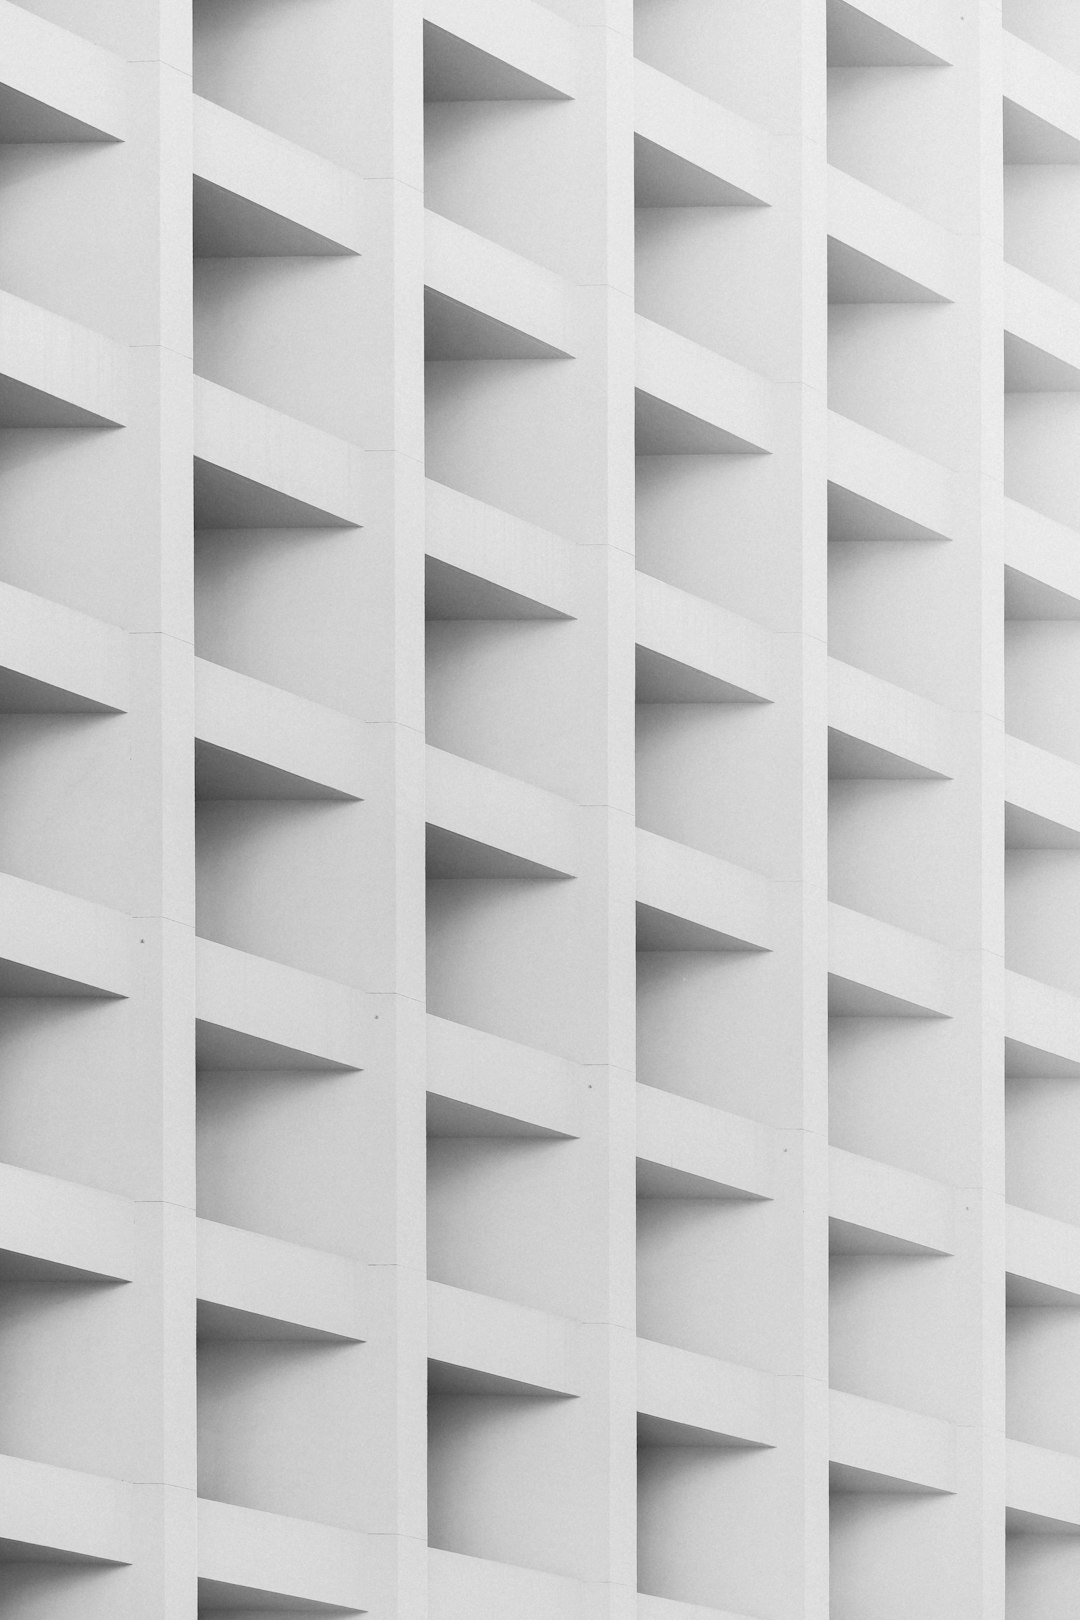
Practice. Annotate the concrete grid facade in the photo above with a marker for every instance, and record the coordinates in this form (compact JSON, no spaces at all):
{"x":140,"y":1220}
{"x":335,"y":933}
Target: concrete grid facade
{"x":570,"y":1110}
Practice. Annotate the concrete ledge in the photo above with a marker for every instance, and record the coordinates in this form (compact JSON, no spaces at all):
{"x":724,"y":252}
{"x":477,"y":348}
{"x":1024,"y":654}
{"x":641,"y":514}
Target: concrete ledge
{"x":903,"y":734}
{"x":265,"y":470}
{"x":917,"y":31}
{"x":703,"y":1397}
{"x":877,"y":1447}
{"x":489,"y":302}
{"x":290,"y":200}
{"x":658,"y":1608}
{"x":60,"y":1511}
{"x":259,"y":1014}
{"x":482,"y":823}
{"x":247,"y":1275}
{"x":721,"y":656}
{"x":463,"y":1588}
{"x":733,"y":1155}
{"x":261,"y":742}
{"x":1042,"y":1488}
{"x":692,"y":401}
{"x":1043,"y":1022}
{"x":70,"y":1229}
{"x":698,"y":901}
{"x":907,"y":244}
{"x":876,"y":1207}
{"x":56,"y":373}
{"x":1040,"y":85}
{"x":1043,"y":785}
{"x":56,"y":944}
{"x":261,"y":1553}
{"x":538,"y":46}
{"x":880,"y":490}
{"x":56,"y":86}
{"x":495,"y":548}
{"x":58,"y":660}
{"x":878,"y":969}
{"x":1046,"y":321}
{"x":1044,"y":551}
{"x":502,"y":1078}
{"x":505,"y":1345}
{"x":1043,"y":1251}
{"x":692,"y":150}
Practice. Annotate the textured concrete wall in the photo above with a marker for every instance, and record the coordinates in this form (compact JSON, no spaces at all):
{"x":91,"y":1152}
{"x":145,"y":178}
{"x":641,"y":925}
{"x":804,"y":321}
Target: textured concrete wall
{"x":539,"y":809}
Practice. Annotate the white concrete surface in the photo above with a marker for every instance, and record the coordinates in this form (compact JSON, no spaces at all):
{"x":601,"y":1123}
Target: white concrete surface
{"x":539,"y":809}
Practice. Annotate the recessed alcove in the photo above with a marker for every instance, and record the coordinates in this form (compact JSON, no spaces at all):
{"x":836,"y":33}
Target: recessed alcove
{"x":504,"y":1211}
{"x":505,"y":1480}
{"x":289,"y":65}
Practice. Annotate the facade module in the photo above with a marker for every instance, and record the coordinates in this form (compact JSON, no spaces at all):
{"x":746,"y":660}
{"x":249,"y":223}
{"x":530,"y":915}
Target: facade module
{"x":540,"y":809}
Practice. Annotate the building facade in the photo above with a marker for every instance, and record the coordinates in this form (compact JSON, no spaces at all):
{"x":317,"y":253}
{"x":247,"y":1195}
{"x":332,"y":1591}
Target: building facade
{"x":540,"y":809}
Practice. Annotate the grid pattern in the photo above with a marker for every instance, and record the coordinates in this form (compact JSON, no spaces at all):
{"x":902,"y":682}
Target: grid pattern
{"x":565,"y":1111}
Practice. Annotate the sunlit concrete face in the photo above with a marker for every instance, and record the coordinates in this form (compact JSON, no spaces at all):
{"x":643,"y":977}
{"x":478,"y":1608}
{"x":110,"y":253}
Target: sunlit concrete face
{"x":539,"y":809}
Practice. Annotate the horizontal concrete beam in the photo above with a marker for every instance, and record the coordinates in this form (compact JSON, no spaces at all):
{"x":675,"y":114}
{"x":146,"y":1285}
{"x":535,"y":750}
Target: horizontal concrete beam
{"x":884,"y":730}
{"x":57,"y":944}
{"x":691,"y":896}
{"x":683,"y":1398}
{"x":259,"y":1553}
{"x":658,"y":1608}
{"x":696,"y":650}
{"x":273,"y":197}
{"x":881,"y":490}
{"x":1042,"y":797}
{"x":906,"y":246}
{"x":1042,"y":1488}
{"x":260,"y":469}
{"x":482,"y":1343}
{"x":507,"y":567}
{"x":56,"y":373}
{"x":55,"y":85}
{"x":488,"y":824}
{"x":878,"y":969}
{"x":1044,"y":551}
{"x":538,"y":47}
{"x":1042,"y":1027}
{"x":694,"y":402}
{"x":489,"y":303}
{"x":251,"y":1280}
{"x":890,"y":33}
{"x":698,"y":1143}
{"x":502,"y":1079}
{"x":57,"y":660}
{"x":1041,"y":86}
{"x":463,"y":1588}
{"x":259,"y":1014}
{"x":69,"y":1229}
{"x":1042,"y":346}
{"x":872,"y":1445}
{"x":258,"y":741}
{"x":1043,"y":1252}
{"x":692,"y":151}
{"x":876,"y":1207}
{"x":61,"y":1511}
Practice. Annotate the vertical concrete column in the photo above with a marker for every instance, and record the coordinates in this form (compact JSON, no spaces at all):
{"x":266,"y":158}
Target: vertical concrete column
{"x":954,"y":370}
{"x":810,"y":381}
{"x":971,"y":923}
{"x":797,"y":613}
{"x":154,"y":587}
{"x":987,"y":1466}
{"x":604,"y":316}
{"x":389,"y":697}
